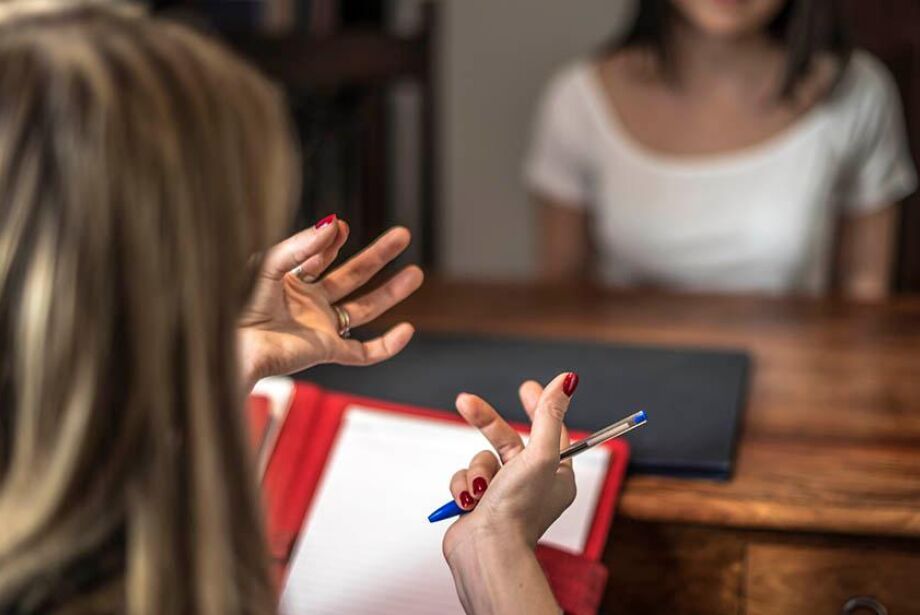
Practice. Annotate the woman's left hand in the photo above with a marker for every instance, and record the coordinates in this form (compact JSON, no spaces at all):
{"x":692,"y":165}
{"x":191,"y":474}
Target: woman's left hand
{"x":290,"y":323}
{"x":513,"y":498}
{"x":528,"y":487}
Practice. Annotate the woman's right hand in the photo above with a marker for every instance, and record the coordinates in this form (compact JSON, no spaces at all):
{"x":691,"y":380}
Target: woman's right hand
{"x":291,"y":321}
{"x":513,"y":499}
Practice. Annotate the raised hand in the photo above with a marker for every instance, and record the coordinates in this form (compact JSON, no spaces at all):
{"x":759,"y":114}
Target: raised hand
{"x":513,"y":497}
{"x":291,"y":322}
{"x":522,"y":490}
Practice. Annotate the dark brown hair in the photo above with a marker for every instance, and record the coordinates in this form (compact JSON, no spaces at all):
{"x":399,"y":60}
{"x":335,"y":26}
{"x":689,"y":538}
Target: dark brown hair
{"x":806,"y":28}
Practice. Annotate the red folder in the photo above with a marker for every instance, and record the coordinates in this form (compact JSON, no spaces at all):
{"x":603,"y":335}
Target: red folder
{"x":307,"y":436}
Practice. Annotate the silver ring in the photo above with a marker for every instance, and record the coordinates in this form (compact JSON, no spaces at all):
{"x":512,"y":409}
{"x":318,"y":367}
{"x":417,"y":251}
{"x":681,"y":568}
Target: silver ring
{"x":344,"y":321}
{"x":301,"y":275}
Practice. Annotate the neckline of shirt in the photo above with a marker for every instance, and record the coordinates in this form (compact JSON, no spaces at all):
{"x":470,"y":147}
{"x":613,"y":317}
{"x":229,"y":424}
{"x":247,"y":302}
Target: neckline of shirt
{"x":616,"y":133}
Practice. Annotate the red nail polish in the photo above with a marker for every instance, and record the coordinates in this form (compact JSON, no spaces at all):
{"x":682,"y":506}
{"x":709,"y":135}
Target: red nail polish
{"x":570,"y":383}
{"x":466,"y":500}
{"x":325,"y":221}
{"x":479,"y":485}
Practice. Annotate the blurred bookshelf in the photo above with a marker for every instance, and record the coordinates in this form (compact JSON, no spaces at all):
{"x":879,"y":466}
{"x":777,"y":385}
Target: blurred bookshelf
{"x":339,"y":61}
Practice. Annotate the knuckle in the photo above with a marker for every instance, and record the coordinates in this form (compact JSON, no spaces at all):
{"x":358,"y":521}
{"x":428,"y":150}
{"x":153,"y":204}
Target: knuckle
{"x":481,"y":458}
{"x":300,"y":255}
{"x":300,"y":247}
{"x":388,"y":293}
{"x":386,"y":351}
{"x":571,"y":492}
{"x":544,"y":460}
{"x":555,"y":408}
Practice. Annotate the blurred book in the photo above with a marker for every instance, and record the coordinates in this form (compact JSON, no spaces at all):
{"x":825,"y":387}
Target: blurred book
{"x":358,"y":159}
{"x":279,"y":16}
{"x":317,"y":18}
{"x":331,"y":134}
{"x":323,"y":17}
{"x":236,"y":15}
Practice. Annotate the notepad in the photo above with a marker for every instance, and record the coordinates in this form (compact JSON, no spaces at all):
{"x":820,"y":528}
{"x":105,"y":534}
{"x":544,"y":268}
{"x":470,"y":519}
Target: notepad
{"x":695,"y":396}
{"x":366,"y":545}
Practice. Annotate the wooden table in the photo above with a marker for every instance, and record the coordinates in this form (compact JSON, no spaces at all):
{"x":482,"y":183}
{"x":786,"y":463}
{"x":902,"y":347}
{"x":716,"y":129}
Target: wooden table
{"x":824,"y":503}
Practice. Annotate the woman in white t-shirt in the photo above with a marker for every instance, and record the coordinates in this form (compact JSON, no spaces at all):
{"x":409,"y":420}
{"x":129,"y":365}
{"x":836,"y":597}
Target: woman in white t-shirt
{"x":724,"y":146}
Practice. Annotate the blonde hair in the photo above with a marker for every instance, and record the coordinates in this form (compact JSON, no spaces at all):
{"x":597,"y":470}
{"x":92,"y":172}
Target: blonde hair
{"x":141,"y":167}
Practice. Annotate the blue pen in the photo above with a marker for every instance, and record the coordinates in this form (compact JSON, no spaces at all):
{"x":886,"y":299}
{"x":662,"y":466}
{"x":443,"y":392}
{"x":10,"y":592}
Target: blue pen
{"x":452,"y":509}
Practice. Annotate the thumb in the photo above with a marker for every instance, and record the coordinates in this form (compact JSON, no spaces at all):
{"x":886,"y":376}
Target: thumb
{"x":549,"y":414}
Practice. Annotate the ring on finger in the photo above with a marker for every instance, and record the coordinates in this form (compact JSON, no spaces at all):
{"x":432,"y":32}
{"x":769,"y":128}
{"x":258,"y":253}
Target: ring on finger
{"x":344,"y":321}
{"x":301,"y":274}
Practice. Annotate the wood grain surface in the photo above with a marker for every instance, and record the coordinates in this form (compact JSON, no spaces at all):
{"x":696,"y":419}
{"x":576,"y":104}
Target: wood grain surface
{"x":831,"y":436}
{"x":787,"y":579}
{"x":666,"y":569}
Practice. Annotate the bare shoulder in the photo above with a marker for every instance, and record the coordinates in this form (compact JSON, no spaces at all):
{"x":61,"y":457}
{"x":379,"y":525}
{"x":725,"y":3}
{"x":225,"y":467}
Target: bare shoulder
{"x":818,"y":84}
{"x":633,"y":65}
{"x":629,"y":69}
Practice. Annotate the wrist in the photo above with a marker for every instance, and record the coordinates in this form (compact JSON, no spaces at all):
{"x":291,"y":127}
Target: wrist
{"x":496,"y":571}
{"x":251,"y":367}
{"x":481,"y":545}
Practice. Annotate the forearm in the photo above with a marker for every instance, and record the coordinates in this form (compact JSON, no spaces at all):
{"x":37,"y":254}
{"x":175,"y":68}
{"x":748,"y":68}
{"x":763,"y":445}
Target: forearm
{"x":866,"y":254}
{"x":250,"y":370}
{"x":497,"y":575}
{"x":564,"y":243}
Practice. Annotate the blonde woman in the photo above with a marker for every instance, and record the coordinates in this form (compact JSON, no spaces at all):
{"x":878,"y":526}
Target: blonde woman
{"x":141,"y":169}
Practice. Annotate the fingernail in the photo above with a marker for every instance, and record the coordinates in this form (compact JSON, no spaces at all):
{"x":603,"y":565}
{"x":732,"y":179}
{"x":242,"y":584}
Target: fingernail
{"x":325,"y":221}
{"x":466,"y":500}
{"x":479,"y":485}
{"x":570,"y":383}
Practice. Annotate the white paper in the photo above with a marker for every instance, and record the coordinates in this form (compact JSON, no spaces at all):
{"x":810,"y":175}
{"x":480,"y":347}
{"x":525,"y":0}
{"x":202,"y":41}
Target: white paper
{"x":280,"y":392}
{"x":367,"y":546}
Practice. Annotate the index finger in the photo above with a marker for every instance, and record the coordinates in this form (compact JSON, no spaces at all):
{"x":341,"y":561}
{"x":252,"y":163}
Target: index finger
{"x":312,"y":268}
{"x":481,"y":415}
{"x":298,"y":248}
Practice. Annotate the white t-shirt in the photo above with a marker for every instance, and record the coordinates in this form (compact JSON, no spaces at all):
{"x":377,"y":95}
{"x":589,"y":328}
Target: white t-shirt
{"x":760,"y":219}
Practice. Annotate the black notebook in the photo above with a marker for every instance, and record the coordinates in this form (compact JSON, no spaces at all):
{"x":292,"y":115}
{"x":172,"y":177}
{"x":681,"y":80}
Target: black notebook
{"x":694,"y":398}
